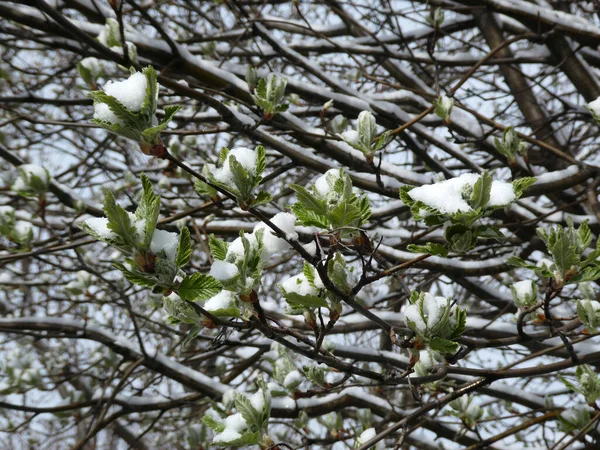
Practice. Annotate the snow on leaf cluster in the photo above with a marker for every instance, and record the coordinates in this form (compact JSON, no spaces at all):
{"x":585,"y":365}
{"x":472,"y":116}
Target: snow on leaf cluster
{"x":459,"y":204}
{"x":435,"y":321}
{"x":128,"y":108}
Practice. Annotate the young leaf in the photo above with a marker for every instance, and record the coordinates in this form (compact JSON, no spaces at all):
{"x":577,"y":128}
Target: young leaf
{"x":248,"y":412}
{"x":119,"y":221}
{"x":211,"y":423}
{"x":218,"y":247}
{"x":443,"y":346}
{"x":481,"y":191}
{"x":198,"y":286}
{"x":184,"y":248}
{"x":431,"y":247}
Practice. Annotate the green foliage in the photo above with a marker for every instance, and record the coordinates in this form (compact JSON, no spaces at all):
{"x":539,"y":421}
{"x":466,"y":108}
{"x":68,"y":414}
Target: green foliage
{"x":256,"y":421}
{"x":443,"y":107}
{"x":465,"y":409}
{"x":218,"y":247}
{"x":180,"y":311}
{"x":137,"y":125}
{"x":306,"y":297}
{"x":435,"y":321}
{"x":567,"y":246}
{"x":340,"y":273}
{"x":119,"y":222}
{"x":184,"y":248}
{"x":315,"y":374}
{"x":243,"y":182}
{"x":588,"y":383}
{"x":463,"y":229}
{"x":511,"y":145}
{"x":339,"y":209}
{"x":365,"y":138}
{"x":249,"y":262}
{"x":270,"y":95}
{"x":198,"y":286}
{"x":588,"y":312}
{"x":90,"y":70}
{"x":16,"y":231}
{"x":133,"y":233}
{"x":575,"y":419}
{"x":524,"y":298}
{"x":29,"y":183}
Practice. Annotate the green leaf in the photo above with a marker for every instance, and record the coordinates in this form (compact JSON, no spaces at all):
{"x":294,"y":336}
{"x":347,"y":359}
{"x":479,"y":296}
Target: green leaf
{"x":344,"y":214}
{"x":149,"y":105}
{"x":308,"y":301}
{"x":366,"y":128}
{"x":522,"y":184}
{"x":308,"y":201}
{"x":115,"y":106}
{"x":585,"y":235}
{"x":148,"y":210}
{"x":461,"y":323}
{"x":591,"y":273}
{"x":261,"y":162}
{"x":211,"y":423}
{"x":226,"y":312}
{"x":119,"y":221}
{"x":245,"y":408}
{"x":184,"y":248}
{"x":199,"y":286}
{"x":262,"y":198}
{"x":218,"y":247}
{"x":337,"y":273}
{"x":443,"y":346}
{"x":241,"y":178}
{"x":309,"y":273}
{"x":564,"y":252}
{"x":191,"y":335}
{"x":136,"y":277}
{"x":431,"y":247}
{"x":481,"y":191}
{"x":247,"y":438}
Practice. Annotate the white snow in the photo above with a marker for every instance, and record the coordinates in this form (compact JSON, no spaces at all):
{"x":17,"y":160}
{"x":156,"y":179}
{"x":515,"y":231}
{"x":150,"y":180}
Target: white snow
{"x":103,"y":112}
{"x":433,"y":308}
{"x":22,"y":183}
{"x":550,"y":177}
{"x":227,"y":435}
{"x":411,"y":312}
{"x":350,"y":136}
{"x":446,"y":196}
{"x":7,"y":213}
{"x":22,"y":228}
{"x":258,"y":400}
{"x":236,"y":422}
{"x":236,"y":247}
{"x":366,"y":436}
{"x":595,"y":106}
{"x":502,"y":193}
{"x":164,"y":240}
{"x":222,"y":270}
{"x":222,"y":300}
{"x":299,"y":284}
{"x":292,"y":379}
{"x":311,"y":248}
{"x":523,"y":290}
{"x":130,"y":92}
{"x":271,"y":243}
{"x":93,"y":65}
{"x":324,"y":184}
{"x":243,"y":155}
